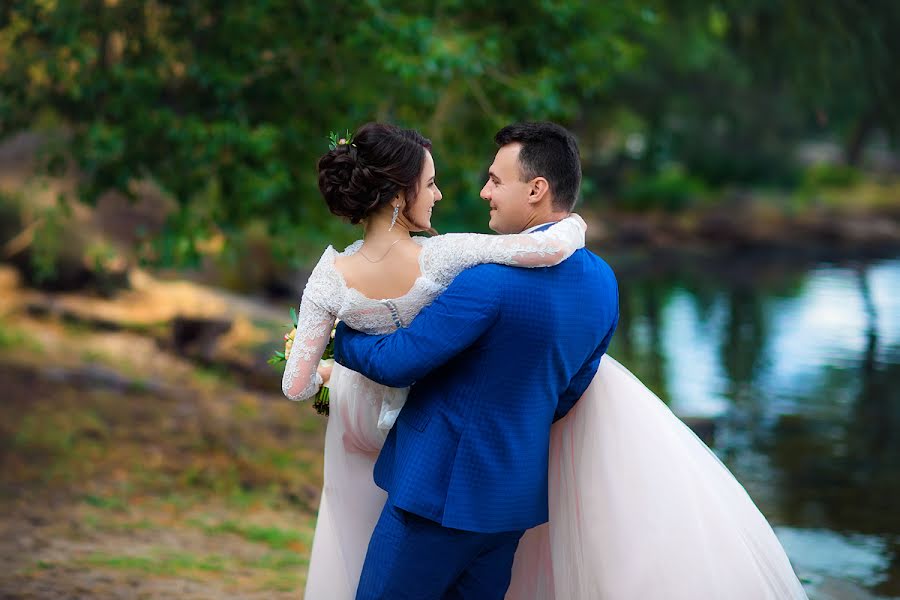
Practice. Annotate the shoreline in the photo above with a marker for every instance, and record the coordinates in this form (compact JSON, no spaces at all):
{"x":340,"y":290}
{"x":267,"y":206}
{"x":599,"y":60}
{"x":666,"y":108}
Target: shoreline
{"x":714,"y":236}
{"x":721,"y":227}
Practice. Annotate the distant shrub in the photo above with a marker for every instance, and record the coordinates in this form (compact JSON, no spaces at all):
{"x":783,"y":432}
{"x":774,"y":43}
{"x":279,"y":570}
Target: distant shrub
{"x":670,"y":189}
{"x":58,"y":253}
{"x":48,"y":250}
{"x":10,"y":338}
{"x":827,"y":175}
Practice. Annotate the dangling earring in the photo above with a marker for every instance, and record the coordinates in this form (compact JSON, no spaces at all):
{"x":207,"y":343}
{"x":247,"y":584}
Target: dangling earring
{"x":394,"y":218}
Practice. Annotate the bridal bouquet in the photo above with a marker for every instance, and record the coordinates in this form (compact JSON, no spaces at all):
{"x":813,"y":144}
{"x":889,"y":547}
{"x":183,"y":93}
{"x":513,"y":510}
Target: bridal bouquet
{"x":327,"y":360}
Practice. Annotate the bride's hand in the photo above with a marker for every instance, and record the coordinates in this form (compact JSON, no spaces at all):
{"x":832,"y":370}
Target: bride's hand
{"x":324,"y":369}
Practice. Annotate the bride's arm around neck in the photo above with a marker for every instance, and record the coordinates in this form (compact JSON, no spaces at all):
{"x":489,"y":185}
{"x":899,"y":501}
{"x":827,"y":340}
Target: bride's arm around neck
{"x":445,"y":256}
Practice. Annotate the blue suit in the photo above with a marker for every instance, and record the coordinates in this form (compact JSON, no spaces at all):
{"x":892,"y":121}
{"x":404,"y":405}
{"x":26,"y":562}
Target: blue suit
{"x":497,"y":357}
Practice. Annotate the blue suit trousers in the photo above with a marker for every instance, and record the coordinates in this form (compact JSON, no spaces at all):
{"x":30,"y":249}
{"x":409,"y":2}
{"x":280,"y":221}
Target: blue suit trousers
{"x":413,"y":558}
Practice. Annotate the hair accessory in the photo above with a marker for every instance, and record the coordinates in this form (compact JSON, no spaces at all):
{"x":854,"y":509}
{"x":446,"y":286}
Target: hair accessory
{"x":334,"y":141}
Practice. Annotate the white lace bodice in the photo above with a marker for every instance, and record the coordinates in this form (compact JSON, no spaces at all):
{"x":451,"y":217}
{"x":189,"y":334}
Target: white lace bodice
{"x":327,"y":296}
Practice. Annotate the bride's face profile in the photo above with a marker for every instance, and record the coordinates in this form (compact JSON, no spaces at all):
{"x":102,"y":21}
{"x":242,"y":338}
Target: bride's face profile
{"x":419,"y":213}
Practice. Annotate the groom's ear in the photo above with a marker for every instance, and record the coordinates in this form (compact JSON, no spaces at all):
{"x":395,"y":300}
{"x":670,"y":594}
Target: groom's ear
{"x":539,"y":190}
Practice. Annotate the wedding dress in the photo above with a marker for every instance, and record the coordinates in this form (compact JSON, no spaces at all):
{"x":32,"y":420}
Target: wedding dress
{"x":362,"y":411}
{"x":640,"y":508}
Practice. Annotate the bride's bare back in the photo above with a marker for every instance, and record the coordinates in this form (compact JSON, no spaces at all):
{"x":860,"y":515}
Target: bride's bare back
{"x":391,"y":277}
{"x":381,"y":299}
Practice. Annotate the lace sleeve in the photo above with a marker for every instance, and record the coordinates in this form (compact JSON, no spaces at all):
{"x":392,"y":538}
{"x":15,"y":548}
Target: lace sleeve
{"x":315,"y":319}
{"x":445,"y":256}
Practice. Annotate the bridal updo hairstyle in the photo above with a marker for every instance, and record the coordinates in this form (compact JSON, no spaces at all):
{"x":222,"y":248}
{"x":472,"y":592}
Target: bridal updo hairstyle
{"x":381,"y":161}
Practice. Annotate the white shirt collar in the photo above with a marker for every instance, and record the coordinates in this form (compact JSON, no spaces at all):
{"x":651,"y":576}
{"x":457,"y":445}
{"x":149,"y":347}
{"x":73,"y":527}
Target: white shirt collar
{"x":530,"y":229}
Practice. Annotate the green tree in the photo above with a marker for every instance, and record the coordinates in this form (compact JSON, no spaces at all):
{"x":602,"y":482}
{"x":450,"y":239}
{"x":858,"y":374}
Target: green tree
{"x":226,"y":105}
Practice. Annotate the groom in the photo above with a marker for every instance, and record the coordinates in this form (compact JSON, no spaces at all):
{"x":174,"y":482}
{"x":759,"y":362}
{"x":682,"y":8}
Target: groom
{"x":498,"y":357}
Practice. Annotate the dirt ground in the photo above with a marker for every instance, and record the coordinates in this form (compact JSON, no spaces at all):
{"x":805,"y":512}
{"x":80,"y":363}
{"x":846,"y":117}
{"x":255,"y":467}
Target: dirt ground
{"x":129,"y":471}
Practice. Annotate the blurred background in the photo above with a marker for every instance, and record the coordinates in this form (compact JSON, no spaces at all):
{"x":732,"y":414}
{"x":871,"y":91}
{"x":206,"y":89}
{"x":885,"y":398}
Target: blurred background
{"x":159,"y":215}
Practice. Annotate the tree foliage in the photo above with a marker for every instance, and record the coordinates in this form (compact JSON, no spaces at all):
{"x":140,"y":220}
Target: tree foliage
{"x":226,"y":105}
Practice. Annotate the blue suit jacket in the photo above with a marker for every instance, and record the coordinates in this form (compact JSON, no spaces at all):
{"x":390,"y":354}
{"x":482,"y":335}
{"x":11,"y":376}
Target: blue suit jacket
{"x":497,"y":357}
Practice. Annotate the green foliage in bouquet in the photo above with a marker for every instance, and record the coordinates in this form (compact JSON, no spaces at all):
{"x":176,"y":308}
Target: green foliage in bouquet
{"x":279,"y":357}
{"x":322,"y":398}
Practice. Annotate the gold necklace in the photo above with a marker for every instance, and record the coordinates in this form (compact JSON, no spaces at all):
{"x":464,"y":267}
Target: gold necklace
{"x":391,"y":247}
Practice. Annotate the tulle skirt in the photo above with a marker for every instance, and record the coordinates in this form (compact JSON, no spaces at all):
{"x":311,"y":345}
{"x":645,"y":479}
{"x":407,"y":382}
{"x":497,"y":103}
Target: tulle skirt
{"x":640,"y":508}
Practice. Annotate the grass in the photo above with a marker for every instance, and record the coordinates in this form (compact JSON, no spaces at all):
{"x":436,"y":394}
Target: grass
{"x":276,"y":571}
{"x":10,"y":338}
{"x":163,"y":563}
{"x":101,"y":523}
{"x":245,"y":408}
{"x":274,"y":537}
{"x":212,"y":473}
{"x":49,"y":436}
{"x":284,"y":582}
{"x":52,"y":441}
{"x":213,"y":375}
{"x":141,"y":384}
{"x":278,"y":561}
{"x":95,"y":356}
{"x":16,"y":340}
{"x":81,"y":433}
{"x":151,"y":454}
{"x":280,"y":567}
{"x":106,"y":503}
{"x":865,"y":196}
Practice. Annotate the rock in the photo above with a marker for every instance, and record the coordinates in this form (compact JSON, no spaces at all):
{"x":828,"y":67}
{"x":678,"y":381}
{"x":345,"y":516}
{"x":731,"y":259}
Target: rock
{"x":99,"y":376}
{"x":49,"y":307}
{"x":74,"y":263}
{"x":196,"y":337}
{"x":839,"y":589}
{"x":720,"y":227}
{"x":132,"y":221}
{"x":10,"y":280}
{"x":871,"y":231}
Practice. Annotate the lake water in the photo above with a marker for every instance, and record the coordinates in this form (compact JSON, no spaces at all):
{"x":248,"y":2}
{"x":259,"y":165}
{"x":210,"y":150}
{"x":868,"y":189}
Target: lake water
{"x":791,"y":374}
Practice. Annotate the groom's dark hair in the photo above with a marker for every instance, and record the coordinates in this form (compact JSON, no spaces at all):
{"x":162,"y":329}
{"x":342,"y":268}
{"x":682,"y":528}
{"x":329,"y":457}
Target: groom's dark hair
{"x":549,"y":151}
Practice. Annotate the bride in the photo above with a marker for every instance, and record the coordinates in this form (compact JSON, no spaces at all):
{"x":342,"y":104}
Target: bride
{"x":639,"y":507}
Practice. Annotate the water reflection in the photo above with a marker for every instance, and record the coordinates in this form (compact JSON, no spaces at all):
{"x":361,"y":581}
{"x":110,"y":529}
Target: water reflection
{"x":824,"y":553}
{"x":792,"y":376}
